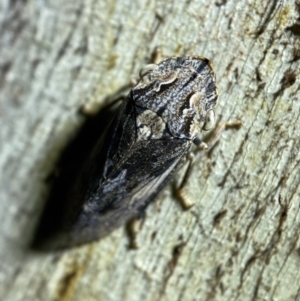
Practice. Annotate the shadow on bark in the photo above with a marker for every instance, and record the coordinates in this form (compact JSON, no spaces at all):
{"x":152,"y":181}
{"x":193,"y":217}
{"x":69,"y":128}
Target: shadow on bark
{"x":70,"y":185}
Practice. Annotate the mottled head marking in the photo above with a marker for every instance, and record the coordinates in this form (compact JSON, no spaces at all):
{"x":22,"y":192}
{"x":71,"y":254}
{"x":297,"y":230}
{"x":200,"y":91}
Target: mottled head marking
{"x":176,"y":98}
{"x":149,"y":125}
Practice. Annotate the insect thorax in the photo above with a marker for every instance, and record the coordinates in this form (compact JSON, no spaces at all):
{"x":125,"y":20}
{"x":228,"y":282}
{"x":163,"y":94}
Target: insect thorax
{"x":173,"y":99}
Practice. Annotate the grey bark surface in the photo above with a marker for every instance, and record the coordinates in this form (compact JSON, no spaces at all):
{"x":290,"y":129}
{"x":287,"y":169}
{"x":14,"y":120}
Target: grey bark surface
{"x":240,"y":241}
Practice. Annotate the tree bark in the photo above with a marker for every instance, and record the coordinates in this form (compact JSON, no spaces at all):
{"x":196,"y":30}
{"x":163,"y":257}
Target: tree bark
{"x":240,"y":241}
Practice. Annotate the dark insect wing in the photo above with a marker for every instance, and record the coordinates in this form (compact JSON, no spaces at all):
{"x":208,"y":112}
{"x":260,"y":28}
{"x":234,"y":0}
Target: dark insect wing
{"x":145,"y":144}
{"x":132,"y":175}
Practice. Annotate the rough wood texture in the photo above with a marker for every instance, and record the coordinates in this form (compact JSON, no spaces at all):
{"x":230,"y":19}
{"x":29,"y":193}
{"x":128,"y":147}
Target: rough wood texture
{"x":238,"y":242}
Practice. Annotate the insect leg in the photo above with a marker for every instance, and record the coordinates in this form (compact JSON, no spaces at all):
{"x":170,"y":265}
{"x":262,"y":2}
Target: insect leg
{"x":133,"y":227}
{"x":199,"y":143}
{"x":185,"y":202}
{"x":216,"y":134}
{"x":92,"y":108}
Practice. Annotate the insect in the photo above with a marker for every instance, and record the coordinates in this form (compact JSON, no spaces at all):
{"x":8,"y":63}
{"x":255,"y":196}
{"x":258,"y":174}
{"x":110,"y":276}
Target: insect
{"x":145,"y":144}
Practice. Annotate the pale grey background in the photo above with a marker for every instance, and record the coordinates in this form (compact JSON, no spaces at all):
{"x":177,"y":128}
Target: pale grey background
{"x":237,"y":242}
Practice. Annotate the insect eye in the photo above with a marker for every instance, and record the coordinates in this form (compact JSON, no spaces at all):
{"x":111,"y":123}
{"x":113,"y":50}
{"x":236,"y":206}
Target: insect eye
{"x":209,"y":120}
{"x":147,"y":69}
